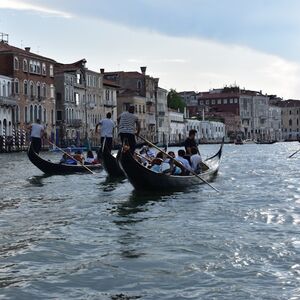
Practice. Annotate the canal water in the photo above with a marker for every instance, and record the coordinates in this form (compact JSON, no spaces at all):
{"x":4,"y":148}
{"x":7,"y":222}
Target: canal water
{"x":83,"y":237}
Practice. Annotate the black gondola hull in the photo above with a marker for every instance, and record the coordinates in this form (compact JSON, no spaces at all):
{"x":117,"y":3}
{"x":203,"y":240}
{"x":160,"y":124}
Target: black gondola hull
{"x":111,"y":165}
{"x":143,"y":178}
{"x":51,"y":168}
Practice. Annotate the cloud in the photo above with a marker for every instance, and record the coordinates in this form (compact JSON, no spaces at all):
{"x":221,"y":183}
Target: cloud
{"x":20,"y":5}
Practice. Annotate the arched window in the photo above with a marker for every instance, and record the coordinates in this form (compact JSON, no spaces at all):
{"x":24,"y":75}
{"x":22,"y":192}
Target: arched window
{"x":44,"y":92}
{"x":31,"y":89}
{"x":45,"y":115}
{"x":25,"y":87}
{"x":31,"y":67}
{"x":31,"y":113}
{"x":67,"y":94}
{"x":25,"y":65}
{"x":4,"y":90}
{"x":290,"y":122}
{"x":44,"y":72}
{"x":26,"y":114}
{"x":17,"y":86}
{"x":139,"y":85}
{"x":51,"y":71}
{"x":107,"y":95}
{"x":40,"y":113}
{"x":35,"y":113}
{"x":38,"y":89}
{"x":16,"y":63}
{"x":38,"y":67}
{"x":8,"y":89}
{"x":52,"y":117}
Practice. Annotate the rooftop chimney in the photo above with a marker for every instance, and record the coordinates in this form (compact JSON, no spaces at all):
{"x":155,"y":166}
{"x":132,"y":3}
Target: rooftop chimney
{"x":102,"y":71}
{"x":143,"y":69}
{"x":27,"y":49}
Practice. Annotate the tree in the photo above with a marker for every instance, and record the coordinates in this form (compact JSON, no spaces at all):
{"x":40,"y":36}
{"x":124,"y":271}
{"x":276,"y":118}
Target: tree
{"x":175,"y":101}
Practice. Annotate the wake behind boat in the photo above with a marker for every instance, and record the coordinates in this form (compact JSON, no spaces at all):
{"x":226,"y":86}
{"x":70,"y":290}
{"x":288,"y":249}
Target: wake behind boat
{"x":52,"y":168}
{"x":143,"y":178}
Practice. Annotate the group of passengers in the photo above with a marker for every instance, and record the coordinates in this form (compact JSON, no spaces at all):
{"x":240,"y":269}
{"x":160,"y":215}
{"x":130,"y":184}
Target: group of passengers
{"x":187,"y":162}
{"x":78,"y":157}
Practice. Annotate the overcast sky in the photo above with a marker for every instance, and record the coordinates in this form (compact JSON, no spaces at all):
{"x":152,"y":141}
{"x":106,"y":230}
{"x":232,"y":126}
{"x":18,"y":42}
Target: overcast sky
{"x":188,"y":44}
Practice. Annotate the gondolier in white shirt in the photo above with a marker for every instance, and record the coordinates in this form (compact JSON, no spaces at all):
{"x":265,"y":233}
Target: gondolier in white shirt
{"x":129,"y":126}
{"x":107,"y":131}
{"x":36,"y":134}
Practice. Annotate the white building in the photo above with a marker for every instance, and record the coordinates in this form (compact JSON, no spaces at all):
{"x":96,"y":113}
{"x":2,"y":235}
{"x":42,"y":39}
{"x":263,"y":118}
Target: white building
{"x":275,"y":123}
{"x":7,"y":104}
{"x":163,"y":125}
{"x":207,"y":131}
{"x":177,"y":127}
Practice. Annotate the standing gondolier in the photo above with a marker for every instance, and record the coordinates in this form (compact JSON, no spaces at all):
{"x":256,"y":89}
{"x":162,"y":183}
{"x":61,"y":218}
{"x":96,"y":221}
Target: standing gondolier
{"x":190,"y":142}
{"x":36,"y":134}
{"x":129,"y":125}
{"x":107,"y":131}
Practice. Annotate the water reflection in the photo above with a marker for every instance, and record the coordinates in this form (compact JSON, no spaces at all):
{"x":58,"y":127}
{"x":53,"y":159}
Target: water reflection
{"x":38,"y":180}
{"x":110,"y":184}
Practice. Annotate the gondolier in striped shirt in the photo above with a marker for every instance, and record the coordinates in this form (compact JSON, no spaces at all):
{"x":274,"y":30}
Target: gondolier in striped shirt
{"x":129,"y":125}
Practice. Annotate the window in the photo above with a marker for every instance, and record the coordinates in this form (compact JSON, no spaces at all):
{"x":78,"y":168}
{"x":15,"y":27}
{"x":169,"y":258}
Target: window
{"x":25,"y":65}
{"x":66,"y":94}
{"x":31,"y":113}
{"x":51,"y":71}
{"x":44,"y":90}
{"x":38,"y":68}
{"x":213,"y":101}
{"x":31,"y":68}
{"x":31,"y":90}
{"x":225,"y":101}
{"x":235,"y":100}
{"x":45,"y":115}
{"x":107,"y":95}
{"x":51,"y":91}
{"x":40,"y":113}
{"x":139,"y":85}
{"x":8,"y":89}
{"x":16,"y":63}
{"x":52,"y":117}
{"x":44,"y":71}
{"x":26,"y":114}
{"x":17,"y":86}
{"x":35,"y":113}
{"x":140,"y":109}
{"x":38,"y":89}
{"x":207,"y":102}
{"x":290,"y":122}
{"x":25,"y":87}
{"x":231,"y":101}
{"x":219,"y":101}
{"x":201,"y":102}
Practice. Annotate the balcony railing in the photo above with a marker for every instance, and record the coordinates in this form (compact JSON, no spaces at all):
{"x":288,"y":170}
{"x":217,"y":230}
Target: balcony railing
{"x":74,"y":123}
{"x":7,"y":101}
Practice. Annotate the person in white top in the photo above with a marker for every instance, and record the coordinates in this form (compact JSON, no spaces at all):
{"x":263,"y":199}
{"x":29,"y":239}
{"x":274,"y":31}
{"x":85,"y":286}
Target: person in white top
{"x":107,"y":131}
{"x":196,"y":160}
{"x":36,"y":134}
{"x":186,"y":165}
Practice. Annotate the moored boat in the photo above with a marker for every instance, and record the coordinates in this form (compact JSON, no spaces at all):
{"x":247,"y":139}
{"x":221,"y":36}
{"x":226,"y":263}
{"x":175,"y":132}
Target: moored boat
{"x":143,"y":178}
{"x":111,"y":165}
{"x":51,"y":168}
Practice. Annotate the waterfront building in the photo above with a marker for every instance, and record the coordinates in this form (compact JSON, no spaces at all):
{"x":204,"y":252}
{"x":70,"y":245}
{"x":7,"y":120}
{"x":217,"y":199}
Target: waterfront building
{"x":163,"y":126}
{"x":79,"y":93}
{"x":275,"y":123}
{"x":207,"y":131}
{"x":32,"y":85}
{"x":140,"y":90}
{"x":177,"y":127}
{"x":7,"y":106}
{"x":290,"y":114}
{"x":189,"y":98}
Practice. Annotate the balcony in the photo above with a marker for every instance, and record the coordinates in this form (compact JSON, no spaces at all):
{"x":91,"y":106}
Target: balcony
{"x":74,"y":123}
{"x":150,"y":119}
{"x":109,"y":103}
{"x":9,"y":101}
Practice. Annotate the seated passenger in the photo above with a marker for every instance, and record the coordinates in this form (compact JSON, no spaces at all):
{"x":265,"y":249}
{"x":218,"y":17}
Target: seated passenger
{"x":185,"y":165}
{"x":156,"y":163}
{"x":146,"y":154}
{"x":89,"y":158}
{"x":67,"y":158}
{"x":78,"y":156}
{"x":196,"y":160}
{"x":174,"y":170}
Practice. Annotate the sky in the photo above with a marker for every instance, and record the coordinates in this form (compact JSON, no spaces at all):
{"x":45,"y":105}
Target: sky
{"x":189,"y":44}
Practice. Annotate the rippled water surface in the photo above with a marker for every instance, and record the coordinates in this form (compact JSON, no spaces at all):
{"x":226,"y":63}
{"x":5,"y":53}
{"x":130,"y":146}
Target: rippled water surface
{"x":83,"y":237}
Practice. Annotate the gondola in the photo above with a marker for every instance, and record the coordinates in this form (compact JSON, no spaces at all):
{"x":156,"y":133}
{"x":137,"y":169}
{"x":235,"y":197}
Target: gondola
{"x":143,"y":178}
{"x":52,"y":168}
{"x":111,"y":165}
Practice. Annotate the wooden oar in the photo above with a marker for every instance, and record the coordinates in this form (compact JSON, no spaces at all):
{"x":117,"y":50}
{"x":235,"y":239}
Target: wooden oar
{"x":191,"y":171}
{"x":294,"y":153}
{"x":64,"y":152}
